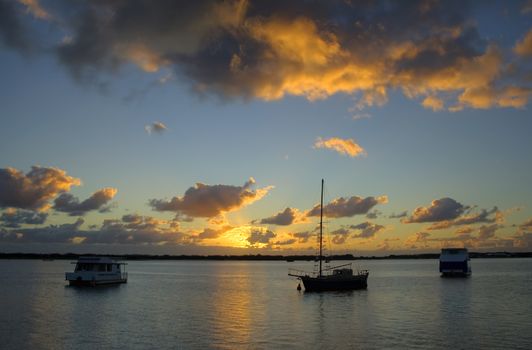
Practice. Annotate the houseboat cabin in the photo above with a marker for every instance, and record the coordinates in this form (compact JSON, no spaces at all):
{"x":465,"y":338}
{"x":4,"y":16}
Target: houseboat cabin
{"x":455,"y":262}
{"x":97,"y":270}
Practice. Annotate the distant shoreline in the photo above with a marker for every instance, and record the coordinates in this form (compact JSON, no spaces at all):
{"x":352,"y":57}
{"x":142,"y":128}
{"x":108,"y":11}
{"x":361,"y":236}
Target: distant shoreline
{"x":255,"y":257}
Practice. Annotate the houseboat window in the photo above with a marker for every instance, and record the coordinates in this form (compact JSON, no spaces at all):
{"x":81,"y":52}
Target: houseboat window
{"x":101,"y":267}
{"x":109,"y":267}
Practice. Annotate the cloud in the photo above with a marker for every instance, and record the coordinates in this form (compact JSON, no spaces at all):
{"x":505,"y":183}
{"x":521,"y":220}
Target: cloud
{"x":439,"y":210}
{"x":155,"y":127}
{"x":286,"y":217}
{"x":374,"y":214}
{"x":433,"y":102}
{"x":362,"y":230}
{"x":340,"y":235}
{"x":418,"y":239}
{"x":399,"y":215}
{"x":347,"y":147}
{"x":488,"y":232}
{"x":211,"y":233}
{"x":523,"y":237}
{"x":34,"y":189}
{"x":527,"y":7}
{"x":347,"y":207}
{"x":67,"y":203}
{"x":211,"y":200}
{"x":132,"y":229}
{"x":464,"y":230}
{"x":524,"y":47}
{"x":15,"y":217}
{"x":526,"y":226}
{"x":366,"y":229}
{"x":358,"y":116}
{"x":260,"y":237}
{"x":302,"y":237}
{"x":35,"y":8}
{"x":289,"y":241}
{"x":13,"y":32}
{"x":484,"y":216}
{"x":267,"y":50}
{"x":50,"y":234}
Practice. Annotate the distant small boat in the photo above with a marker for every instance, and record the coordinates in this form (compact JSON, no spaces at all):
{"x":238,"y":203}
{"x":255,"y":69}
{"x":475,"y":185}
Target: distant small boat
{"x":455,"y":262}
{"x":92,"y":271}
{"x":335,"y":278}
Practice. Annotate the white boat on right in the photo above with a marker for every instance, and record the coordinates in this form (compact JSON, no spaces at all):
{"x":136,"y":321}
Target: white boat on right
{"x":455,"y":262}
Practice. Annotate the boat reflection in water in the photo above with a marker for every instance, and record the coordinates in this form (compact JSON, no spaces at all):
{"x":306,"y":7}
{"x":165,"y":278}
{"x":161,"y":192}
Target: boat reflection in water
{"x":340,"y":277}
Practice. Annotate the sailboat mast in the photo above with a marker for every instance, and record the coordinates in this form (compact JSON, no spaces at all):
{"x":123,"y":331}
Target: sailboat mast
{"x":321,"y":225}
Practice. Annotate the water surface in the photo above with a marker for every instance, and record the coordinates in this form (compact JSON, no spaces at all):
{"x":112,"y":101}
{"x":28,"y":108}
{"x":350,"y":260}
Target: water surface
{"x":240,"y":304}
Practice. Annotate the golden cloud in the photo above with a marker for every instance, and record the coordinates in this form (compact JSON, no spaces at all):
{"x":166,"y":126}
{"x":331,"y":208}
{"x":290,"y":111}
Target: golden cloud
{"x":347,"y":147}
{"x":524,"y":47}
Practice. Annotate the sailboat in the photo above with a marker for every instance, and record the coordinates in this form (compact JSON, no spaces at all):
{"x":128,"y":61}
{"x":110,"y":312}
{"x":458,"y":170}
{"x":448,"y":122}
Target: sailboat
{"x":335,"y":278}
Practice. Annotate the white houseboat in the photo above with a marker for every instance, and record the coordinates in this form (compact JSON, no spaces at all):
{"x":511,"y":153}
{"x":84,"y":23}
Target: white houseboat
{"x":92,"y":271}
{"x":455,"y":262}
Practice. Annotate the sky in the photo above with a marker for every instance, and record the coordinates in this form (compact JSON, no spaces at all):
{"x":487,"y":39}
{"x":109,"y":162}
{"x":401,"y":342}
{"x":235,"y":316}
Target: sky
{"x":206,"y":127}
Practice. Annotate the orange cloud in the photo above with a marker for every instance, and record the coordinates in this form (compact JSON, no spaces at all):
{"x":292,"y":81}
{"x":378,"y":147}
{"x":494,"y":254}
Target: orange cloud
{"x":433,"y":102}
{"x":35,"y":8}
{"x":347,"y":147}
{"x":524,"y":47}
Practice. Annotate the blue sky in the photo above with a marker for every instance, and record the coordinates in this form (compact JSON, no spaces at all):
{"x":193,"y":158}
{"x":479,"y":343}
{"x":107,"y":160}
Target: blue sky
{"x":477,"y":154}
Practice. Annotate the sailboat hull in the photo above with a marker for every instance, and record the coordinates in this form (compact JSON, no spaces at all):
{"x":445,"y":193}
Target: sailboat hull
{"x":329,"y":283}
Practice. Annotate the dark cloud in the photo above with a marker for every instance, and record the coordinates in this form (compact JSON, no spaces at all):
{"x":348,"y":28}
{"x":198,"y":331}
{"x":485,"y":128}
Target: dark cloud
{"x":270,"y":49}
{"x":259,"y":237}
{"x":51,"y":234}
{"x":284,"y":218}
{"x":347,"y":207}
{"x":34,"y":189}
{"x":144,"y":231}
{"x":439,"y":210}
{"x":302,"y":237}
{"x":211,"y":200}
{"x":15,"y":218}
{"x":484,"y":216}
{"x":487,"y":232}
{"x":13,"y":33}
{"x":398,"y":215}
{"x":289,"y":241}
{"x":340,"y":235}
{"x":366,"y":229}
{"x":211,"y":233}
{"x":362,"y":230}
{"x":374,"y":214}
{"x":67,"y":203}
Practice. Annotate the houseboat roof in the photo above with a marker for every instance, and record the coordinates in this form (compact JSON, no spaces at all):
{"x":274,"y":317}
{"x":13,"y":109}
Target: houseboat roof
{"x":98,"y":260}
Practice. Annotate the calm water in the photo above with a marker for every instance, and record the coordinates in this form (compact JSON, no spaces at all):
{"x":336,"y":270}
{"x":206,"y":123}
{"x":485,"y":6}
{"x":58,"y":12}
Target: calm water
{"x":228,"y":305}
